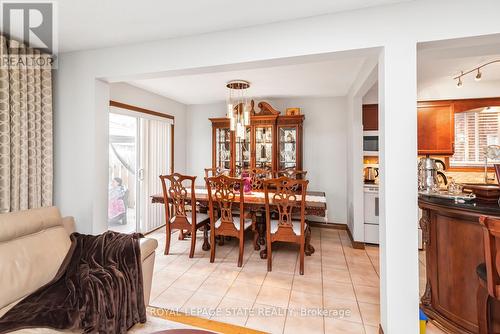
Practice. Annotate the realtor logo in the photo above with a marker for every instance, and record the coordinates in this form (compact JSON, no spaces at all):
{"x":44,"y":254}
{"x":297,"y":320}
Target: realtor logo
{"x":31,"y":23}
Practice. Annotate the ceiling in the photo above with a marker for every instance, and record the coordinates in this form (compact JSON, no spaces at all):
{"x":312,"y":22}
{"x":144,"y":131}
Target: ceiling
{"x":324,"y":78}
{"x":446,"y":59}
{"x":92,"y":24}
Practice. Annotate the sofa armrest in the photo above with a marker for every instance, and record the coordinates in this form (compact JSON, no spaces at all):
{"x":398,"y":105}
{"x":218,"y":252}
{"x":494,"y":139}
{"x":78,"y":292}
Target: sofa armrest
{"x":148,"y":248}
{"x":69,"y":224}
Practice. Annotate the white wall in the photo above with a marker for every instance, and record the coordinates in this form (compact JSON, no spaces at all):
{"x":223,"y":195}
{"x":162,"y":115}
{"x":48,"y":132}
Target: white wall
{"x":125,"y":93}
{"x":77,"y":107}
{"x":199,"y":137}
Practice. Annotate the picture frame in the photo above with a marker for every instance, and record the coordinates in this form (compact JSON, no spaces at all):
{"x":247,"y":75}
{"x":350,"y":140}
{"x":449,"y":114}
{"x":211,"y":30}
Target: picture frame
{"x":292,"y":111}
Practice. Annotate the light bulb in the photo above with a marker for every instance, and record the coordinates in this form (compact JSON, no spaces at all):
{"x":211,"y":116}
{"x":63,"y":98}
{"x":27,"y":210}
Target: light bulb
{"x":230,"y":110}
{"x":478,"y":75}
{"x":232,"y":123}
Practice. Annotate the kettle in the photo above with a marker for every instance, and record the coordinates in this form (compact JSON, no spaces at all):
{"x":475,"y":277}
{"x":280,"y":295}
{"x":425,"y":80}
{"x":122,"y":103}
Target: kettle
{"x":370,"y":173}
{"x":429,"y":171}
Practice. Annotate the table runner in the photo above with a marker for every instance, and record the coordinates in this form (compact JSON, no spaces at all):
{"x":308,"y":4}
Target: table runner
{"x":309,"y":198}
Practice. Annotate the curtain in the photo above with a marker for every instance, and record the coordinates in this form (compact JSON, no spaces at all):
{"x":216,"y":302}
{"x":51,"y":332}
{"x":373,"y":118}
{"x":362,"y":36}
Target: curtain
{"x":26,"y":140}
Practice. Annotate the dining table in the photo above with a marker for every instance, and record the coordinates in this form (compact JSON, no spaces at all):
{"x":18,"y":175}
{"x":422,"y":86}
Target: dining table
{"x":315,"y":206}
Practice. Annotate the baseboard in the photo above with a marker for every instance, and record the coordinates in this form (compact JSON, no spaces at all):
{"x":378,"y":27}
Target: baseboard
{"x":335,"y":226}
{"x":355,"y":244}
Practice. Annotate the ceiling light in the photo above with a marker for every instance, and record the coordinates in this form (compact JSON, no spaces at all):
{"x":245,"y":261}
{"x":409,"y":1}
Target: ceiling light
{"x":478,"y":75}
{"x":459,"y":83}
{"x":238,"y":108}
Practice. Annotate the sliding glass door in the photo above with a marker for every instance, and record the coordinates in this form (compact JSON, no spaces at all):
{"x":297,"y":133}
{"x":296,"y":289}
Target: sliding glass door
{"x":139,"y":151}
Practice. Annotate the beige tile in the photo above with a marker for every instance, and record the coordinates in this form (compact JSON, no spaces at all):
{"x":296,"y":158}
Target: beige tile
{"x":301,"y":325}
{"x":343,"y":309}
{"x":287,"y":267}
{"x":335,"y":326}
{"x":188,"y":282}
{"x":370,"y":313}
{"x":310,"y":270}
{"x":201,"y":304}
{"x":305,"y":299}
{"x":161,"y":281}
{"x":373,"y":329}
{"x":273,"y":296}
{"x":367,"y":294}
{"x":172,"y":299}
{"x":243,"y":291}
{"x":223,"y":272}
{"x":251,"y":277}
{"x":267,"y":318}
{"x":279,"y":280}
{"x":233,"y":311}
{"x":338,"y":290}
{"x":215,"y":286}
{"x":304,"y":284}
{"x":336,"y":275}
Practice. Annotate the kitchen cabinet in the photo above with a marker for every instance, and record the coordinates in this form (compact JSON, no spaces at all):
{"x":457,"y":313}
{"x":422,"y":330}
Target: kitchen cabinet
{"x":436,"y":128}
{"x":370,"y":117}
{"x":272,"y":141}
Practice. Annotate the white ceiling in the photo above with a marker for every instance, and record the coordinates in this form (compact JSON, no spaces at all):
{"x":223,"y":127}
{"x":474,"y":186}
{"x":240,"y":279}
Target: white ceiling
{"x":92,"y":24}
{"x":446,"y":59}
{"x":324,"y":78}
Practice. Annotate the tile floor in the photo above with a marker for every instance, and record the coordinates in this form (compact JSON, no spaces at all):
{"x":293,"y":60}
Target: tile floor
{"x":338,"y":279}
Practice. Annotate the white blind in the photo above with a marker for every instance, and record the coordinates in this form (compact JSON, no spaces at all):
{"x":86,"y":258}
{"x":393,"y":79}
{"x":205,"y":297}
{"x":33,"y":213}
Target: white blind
{"x":474,"y":131}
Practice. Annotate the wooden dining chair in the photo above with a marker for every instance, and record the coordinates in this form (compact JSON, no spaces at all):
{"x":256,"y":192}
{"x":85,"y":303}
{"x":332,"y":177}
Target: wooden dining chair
{"x":257,"y":177}
{"x":293,"y":174}
{"x":180,"y":209}
{"x":280,"y":196}
{"x":209,"y":172}
{"x":488,"y":272}
{"x":224,"y":193}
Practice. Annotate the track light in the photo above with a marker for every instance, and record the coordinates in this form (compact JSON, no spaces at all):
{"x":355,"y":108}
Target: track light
{"x":478,"y":75}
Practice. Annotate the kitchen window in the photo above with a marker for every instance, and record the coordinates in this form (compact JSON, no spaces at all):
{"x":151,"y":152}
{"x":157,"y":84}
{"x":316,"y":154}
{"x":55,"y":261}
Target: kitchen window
{"x":474,"y":131}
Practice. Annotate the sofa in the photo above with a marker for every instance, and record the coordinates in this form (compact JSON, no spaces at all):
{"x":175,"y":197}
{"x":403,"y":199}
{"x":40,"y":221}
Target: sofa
{"x":33,"y":244}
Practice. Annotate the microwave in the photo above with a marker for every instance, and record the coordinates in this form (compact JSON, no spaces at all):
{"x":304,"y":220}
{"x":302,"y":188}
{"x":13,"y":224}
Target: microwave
{"x":370,"y":143}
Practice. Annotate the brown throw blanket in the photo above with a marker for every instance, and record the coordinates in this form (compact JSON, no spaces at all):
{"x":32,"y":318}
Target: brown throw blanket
{"x":98,"y":289}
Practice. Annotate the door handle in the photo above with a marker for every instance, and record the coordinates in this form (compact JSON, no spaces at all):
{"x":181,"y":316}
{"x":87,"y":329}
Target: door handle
{"x":140,"y":174}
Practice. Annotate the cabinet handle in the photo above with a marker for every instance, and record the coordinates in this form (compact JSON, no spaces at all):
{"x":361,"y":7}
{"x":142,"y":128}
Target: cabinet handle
{"x":376,"y":206}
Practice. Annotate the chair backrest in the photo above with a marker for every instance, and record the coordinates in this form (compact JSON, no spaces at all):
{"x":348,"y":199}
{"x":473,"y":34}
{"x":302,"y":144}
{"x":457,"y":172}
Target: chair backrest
{"x":223,"y":193}
{"x":292,"y":173}
{"x":257,"y":177}
{"x":209,"y":172}
{"x":180,"y":194}
{"x":491,"y":235}
{"x":281,"y":193}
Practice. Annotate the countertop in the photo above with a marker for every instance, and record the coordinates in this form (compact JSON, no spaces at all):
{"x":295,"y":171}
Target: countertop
{"x":476,"y":206}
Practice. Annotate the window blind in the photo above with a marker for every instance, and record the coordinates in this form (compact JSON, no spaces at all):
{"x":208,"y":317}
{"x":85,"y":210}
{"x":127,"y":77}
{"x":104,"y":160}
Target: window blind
{"x":474,"y":131}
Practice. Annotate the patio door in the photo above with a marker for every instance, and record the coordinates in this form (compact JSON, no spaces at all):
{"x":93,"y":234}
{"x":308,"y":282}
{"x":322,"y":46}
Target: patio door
{"x":139,"y":151}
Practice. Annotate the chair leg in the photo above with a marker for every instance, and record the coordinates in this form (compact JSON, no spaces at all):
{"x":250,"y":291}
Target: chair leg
{"x":167,"y":241}
{"x":181,"y":234}
{"x":255,"y":237}
{"x":212,"y":244}
{"x":269,"y":252}
{"x":301,"y":255}
{"x":193,"y":242}
{"x":483,"y":309}
{"x":242,"y":249}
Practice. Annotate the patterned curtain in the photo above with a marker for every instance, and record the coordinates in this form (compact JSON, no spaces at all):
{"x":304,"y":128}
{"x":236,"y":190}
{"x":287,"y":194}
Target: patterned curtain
{"x":26,"y":152}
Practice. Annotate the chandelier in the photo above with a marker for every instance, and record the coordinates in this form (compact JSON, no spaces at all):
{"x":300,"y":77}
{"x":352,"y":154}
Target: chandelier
{"x":238,"y":106}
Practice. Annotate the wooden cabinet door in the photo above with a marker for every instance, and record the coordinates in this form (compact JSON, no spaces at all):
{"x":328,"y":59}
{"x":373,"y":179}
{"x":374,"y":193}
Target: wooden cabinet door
{"x":370,"y":117}
{"x":436,"y":128}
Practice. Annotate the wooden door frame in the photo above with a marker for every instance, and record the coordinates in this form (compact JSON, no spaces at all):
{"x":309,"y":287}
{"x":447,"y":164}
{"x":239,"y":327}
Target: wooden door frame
{"x":130,"y":107}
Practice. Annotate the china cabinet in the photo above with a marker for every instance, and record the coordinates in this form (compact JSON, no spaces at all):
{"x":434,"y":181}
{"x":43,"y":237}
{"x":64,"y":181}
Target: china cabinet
{"x":272,"y":141}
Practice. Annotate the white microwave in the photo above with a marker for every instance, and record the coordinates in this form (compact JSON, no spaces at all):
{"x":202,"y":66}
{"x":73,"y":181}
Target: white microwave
{"x":370,"y":143}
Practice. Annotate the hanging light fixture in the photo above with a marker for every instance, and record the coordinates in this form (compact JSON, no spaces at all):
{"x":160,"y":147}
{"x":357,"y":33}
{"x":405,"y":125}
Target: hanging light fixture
{"x":238,"y":108}
{"x":478,"y":75}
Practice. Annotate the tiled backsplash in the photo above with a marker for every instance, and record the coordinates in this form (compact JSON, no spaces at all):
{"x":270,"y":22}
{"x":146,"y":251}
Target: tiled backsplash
{"x":468,"y":177}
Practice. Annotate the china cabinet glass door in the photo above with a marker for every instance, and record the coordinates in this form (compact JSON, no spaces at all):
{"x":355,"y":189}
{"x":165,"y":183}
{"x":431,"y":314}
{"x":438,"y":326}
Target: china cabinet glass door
{"x":223,"y":148}
{"x":264,"y":147}
{"x":243,"y":152}
{"x":287,"y":147}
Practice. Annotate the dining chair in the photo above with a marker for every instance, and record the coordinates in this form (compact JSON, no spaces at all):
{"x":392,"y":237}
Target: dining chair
{"x":224,"y":193}
{"x":215,"y":171}
{"x":281,"y":197}
{"x":257,"y":177}
{"x":180,"y":208}
{"x":488,"y":272}
{"x":293,"y":174}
